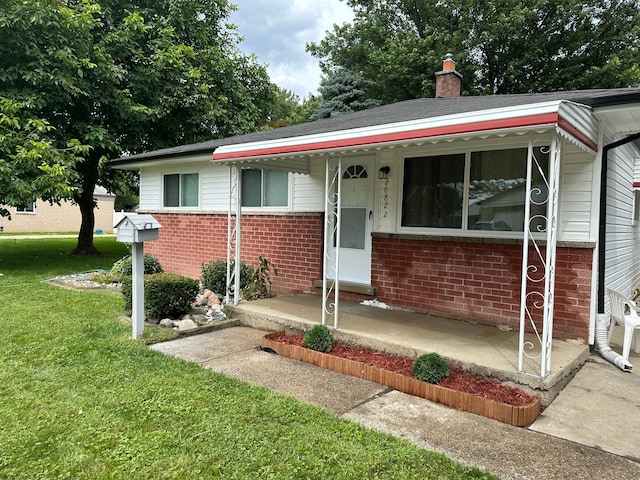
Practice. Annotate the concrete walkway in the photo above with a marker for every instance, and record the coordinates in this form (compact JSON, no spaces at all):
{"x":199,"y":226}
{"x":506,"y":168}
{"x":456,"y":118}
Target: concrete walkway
{"x":574,"y":438}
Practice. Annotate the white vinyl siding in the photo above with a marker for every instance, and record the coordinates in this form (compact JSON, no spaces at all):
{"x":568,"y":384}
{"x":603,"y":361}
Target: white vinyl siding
{"x":150,"y":189}
{"x":308,"y":190}
{"x":577,"y":211}
{"x":622,"y":246}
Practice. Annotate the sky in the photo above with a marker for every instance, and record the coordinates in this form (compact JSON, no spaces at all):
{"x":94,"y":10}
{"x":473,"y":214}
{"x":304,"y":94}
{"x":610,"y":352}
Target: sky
{"x":277,"y":32}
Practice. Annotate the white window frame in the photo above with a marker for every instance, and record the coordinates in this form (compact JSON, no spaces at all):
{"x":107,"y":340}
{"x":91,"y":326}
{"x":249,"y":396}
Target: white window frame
{"x":30,"y":209}
{"x":180,"y":174}
{"x":464,"y":231}
{"x":635,"y":212}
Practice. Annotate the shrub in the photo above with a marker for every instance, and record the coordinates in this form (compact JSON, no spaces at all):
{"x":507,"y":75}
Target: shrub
{"x":165,"y":295}
{"x":214,"y":276}
{"x":259,"y":285}
{"x":319,"y":339}
{"x":430,"y":368}
{"x":124,"y":266}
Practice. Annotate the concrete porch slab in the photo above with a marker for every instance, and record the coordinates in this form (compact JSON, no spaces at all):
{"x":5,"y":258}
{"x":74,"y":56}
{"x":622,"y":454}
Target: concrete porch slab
{"x":479,"y":349}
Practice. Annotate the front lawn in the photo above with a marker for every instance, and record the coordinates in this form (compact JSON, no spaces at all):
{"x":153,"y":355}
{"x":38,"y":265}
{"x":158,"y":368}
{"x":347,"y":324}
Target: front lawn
{"x":80,"y":399}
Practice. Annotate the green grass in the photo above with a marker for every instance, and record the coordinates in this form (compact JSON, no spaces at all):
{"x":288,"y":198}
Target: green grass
{"x":80,"y":399}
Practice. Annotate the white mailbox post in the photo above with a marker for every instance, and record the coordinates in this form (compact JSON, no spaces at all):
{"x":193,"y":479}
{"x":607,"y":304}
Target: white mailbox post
{"x":137,"y":229}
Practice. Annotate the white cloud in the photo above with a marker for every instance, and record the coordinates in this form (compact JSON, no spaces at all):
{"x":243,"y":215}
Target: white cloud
{"x":277,"y":31}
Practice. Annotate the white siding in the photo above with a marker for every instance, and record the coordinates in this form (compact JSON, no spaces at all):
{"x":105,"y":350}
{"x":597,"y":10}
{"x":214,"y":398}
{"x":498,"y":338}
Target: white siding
{"x":576,"y":207}
{"x":308,"y":190}
{"x":622,"y":270}
{"x":150,"y":188}
{"x":215,"y":188}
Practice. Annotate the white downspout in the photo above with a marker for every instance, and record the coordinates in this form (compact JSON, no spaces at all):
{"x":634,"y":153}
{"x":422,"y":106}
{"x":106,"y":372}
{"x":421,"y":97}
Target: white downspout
{"x":602,"y":340}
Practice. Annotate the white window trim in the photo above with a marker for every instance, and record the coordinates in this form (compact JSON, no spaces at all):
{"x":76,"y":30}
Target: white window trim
{"x":635,"y":208}
{"x":464,"y":231}
{"x":181,"y":208}
{"x":27,"y":212}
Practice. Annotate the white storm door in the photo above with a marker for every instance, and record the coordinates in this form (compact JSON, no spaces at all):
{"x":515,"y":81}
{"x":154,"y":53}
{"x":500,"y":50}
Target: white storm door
{"x":356,"y":220}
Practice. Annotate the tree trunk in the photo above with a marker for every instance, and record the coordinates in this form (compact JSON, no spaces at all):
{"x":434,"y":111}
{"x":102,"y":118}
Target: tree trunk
{"x":85,"y":236}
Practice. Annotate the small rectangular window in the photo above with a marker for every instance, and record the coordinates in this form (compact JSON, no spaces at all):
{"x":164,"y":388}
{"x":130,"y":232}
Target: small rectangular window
{"x":181,"y":190}
{"x":27,"y":208}
{"x":265,"y":188}
{"x":636,"y":208}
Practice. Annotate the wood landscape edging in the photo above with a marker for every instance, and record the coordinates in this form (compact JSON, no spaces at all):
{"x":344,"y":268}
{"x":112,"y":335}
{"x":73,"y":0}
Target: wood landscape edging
{"x":513,"y":415}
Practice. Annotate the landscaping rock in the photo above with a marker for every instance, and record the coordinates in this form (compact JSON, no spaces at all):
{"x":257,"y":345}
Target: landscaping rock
{"x":166,"y":322}
{"x":186,"y":325}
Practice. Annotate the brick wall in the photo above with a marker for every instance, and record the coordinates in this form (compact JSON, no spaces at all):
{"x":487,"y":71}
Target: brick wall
{"x":466,"y":280}
{"x":293,"y":243}
{"x":478,"y":282}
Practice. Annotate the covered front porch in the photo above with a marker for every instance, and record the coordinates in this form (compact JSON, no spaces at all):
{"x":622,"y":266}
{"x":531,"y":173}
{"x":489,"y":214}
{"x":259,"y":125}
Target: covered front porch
{"x":483,"y":350}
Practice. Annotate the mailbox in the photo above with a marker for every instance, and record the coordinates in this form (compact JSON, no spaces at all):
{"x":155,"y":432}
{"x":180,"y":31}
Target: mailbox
{"x":137,"y":229}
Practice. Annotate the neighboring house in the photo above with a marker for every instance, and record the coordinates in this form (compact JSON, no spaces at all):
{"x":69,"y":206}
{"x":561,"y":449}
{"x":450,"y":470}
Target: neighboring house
{"x":41,"y":216}
{"x":407,"y":186}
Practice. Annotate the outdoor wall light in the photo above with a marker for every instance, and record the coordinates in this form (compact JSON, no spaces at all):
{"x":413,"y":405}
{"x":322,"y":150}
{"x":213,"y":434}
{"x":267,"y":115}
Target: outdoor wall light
{"x":383,"y":173}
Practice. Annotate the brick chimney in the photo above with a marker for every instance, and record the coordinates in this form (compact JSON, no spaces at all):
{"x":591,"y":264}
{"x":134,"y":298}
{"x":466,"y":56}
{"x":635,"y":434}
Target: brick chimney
{"x":448,"y":80}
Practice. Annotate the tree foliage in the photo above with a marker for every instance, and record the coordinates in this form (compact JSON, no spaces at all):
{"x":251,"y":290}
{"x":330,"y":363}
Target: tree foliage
{"x":343,"y":91}
{"x":503,"y":46}
{"x":124,"y":76}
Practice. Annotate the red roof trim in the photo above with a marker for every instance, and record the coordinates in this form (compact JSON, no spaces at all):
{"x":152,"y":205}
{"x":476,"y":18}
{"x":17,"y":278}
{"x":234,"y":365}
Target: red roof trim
{"x":577,"y":134}
{"x":526,"y":121}
{"x":636,"y":184}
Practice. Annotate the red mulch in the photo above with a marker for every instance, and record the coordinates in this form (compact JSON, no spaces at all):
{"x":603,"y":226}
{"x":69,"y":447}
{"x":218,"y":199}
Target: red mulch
{"x":456,"y":380}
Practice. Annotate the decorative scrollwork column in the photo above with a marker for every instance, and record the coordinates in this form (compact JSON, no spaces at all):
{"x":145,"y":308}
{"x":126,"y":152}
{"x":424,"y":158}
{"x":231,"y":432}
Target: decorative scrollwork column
{"x":539,"y":257}
{"x":234,"y":220}
{"x":332,"y":218}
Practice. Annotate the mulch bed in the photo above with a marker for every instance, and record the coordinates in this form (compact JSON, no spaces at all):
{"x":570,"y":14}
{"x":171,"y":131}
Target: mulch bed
{"x":456,"y":380}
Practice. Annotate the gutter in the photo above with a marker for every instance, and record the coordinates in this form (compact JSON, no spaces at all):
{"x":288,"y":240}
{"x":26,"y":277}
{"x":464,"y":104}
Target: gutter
{"x":602,"y":235}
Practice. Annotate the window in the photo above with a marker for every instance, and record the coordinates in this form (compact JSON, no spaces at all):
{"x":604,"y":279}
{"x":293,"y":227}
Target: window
{"x":27,"y":208}
{"x":434,"y":190}
{"x":636,"y":208}
{"x":265,"y":188}
{"x":181,"y":190}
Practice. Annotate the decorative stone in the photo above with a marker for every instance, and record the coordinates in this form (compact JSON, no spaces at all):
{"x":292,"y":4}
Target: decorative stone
{"x":166,"y":323}
{"x":153,"y":320}
{"x":186,"y":325}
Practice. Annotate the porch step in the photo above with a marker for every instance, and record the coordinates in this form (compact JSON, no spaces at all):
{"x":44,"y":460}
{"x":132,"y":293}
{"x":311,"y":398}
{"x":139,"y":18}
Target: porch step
{"x":351,"y":287}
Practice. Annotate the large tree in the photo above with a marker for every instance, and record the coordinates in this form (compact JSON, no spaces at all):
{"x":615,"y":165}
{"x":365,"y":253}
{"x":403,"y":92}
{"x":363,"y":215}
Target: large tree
{"x":505,"y":46}
{"x":343,"y":91}
{"x":123,"y":76}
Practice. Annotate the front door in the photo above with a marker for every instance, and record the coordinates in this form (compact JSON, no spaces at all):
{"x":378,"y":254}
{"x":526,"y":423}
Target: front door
{"x":356,"y":220}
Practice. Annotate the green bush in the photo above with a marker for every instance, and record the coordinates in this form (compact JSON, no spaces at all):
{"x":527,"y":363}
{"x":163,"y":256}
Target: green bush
{"x":259,"y":284}
{"x":319,"y":339}
{"x":124,"y":266}
{"x":214,"y":276}
{"x":165,"y":294}
{"x":430,"y":368}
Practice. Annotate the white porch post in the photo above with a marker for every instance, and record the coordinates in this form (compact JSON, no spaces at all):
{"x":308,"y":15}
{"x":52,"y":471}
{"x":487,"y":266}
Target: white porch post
{"x":538,"y":272}
{"x":332,"y":220}
{"x":234,"y":220}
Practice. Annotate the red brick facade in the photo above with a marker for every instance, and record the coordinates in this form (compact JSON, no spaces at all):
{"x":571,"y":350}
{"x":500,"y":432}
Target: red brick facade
{"x":467,"y":280}
{"x":293,"y":243}
{"x":478,"y":282}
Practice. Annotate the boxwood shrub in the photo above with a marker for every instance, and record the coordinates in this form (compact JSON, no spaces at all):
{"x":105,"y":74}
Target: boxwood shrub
{"x":430,"y":367}
{"x":165,"y":294}
{"x":319,"y":339}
